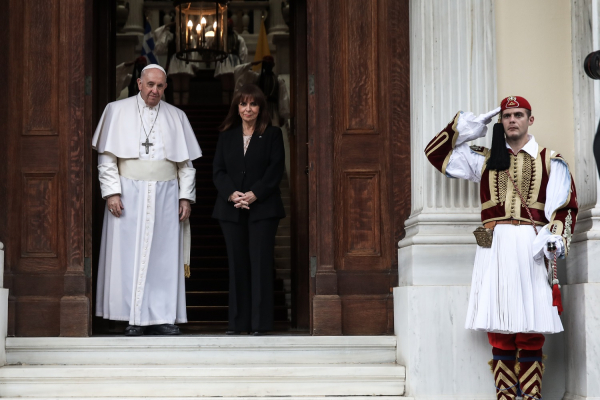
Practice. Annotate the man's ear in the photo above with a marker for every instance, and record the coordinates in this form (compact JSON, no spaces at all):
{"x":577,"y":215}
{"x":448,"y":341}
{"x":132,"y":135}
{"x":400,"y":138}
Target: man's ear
{"x":531,"y":119}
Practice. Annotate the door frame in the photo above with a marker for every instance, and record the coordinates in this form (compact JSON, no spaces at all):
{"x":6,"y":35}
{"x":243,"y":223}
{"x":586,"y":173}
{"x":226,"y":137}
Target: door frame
{"x":299,"y":188}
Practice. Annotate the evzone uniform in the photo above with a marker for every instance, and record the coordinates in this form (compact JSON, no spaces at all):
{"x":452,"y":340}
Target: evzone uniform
{"x":511,"y":296}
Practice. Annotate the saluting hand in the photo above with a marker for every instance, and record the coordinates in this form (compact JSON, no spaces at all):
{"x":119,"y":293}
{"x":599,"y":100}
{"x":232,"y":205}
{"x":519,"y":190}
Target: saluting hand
{"x":487,"y":117}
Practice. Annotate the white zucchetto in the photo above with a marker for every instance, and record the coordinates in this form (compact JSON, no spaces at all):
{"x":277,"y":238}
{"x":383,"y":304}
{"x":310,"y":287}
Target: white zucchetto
{"x":156,"y":66}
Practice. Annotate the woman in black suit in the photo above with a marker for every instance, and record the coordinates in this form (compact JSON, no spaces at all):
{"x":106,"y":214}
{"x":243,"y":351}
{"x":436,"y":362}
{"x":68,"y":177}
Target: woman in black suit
{"x":247,"y":169}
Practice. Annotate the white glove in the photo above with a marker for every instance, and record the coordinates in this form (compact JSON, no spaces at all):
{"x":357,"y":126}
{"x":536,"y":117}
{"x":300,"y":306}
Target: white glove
{"x":487,"y":117}
{"x":560,"y":247}
{"x":471,"y":127}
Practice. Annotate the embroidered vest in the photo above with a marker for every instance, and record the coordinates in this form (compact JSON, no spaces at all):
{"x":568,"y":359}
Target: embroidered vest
{"x":500,"y":200}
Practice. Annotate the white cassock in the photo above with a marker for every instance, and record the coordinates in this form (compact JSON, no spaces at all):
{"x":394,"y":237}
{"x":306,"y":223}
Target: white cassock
{"x":141,"y":263}
{"x":498,"y":302}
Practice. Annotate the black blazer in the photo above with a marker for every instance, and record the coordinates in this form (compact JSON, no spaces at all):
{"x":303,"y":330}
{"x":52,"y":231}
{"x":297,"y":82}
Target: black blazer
{"x":259,"y":171}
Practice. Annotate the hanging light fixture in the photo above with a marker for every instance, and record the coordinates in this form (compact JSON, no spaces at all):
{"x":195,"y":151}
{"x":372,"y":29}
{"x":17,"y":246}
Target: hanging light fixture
{"x":201,"y":30}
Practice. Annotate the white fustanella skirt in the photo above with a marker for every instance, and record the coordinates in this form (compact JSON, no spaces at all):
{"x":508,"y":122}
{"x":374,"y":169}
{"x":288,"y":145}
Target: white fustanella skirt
{"x":510,"y":292}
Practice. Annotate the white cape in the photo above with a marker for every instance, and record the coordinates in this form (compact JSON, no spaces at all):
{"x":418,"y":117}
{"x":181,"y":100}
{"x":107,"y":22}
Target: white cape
{"x":118,"y":132}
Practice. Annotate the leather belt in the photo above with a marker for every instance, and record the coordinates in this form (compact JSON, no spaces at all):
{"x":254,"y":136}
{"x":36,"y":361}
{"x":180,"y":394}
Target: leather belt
{"x":515,"y":222}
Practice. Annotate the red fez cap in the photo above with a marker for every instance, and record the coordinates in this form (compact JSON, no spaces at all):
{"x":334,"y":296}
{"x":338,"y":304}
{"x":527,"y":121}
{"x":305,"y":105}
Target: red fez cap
{"x":514,"y":102}
{"x":268,"y":59}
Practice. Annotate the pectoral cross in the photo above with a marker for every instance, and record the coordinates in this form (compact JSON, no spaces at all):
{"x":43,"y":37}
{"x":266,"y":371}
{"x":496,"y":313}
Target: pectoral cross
{"x":147,"y":145}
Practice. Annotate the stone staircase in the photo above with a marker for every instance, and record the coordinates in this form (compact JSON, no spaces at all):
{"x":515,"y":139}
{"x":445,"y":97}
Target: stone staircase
{"x":307,"y":367}
{"x":282,"y":252}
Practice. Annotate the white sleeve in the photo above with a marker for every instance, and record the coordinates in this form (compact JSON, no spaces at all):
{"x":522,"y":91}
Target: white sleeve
{"x":464,"y":163}
{"x":557,"y":192}
{"x":243,"y":53}
{"x":469,"y":127}
{"x":187,"y":181}
{"x":162,"y":37}
{"x":559,"y":185}
{"x":108,"y":175}
{"x":284,"y":100}
{"x":122,"y":77}
{"x":243,"y":74}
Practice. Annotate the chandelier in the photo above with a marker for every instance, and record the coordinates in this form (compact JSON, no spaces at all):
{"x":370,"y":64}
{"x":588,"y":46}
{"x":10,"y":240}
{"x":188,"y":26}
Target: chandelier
{"x":200,"y":33}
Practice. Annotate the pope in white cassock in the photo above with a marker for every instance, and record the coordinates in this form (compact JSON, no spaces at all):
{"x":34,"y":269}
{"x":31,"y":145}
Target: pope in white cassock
{"x":146,"y":148}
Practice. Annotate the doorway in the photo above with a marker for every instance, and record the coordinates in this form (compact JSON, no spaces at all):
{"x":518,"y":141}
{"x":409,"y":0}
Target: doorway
{"x":355,"y":107}
{"x":207,"y":288}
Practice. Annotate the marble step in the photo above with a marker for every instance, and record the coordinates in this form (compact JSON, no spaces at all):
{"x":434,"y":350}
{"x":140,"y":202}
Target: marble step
{"x":224,"y":398}
{"x":202,"y":350}
{"x":160,"y":381}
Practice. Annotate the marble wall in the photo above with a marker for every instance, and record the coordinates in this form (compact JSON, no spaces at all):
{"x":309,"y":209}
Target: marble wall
{"x":452,"y":68}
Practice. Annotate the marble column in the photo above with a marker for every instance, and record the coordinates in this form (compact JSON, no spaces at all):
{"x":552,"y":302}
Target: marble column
{"x":135,"y":21}
{"x":582,"y":292}
{"x":453,"y":67}
{"x":129,"y":43}
{"x":276,"y":22}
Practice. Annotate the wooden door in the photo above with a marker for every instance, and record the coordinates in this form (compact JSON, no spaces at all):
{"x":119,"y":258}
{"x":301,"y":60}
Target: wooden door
{"x":359,"y":160}
{"x":45,"y":166}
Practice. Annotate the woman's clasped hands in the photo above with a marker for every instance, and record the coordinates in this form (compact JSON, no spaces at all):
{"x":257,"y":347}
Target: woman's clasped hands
{"x":242,"y":200}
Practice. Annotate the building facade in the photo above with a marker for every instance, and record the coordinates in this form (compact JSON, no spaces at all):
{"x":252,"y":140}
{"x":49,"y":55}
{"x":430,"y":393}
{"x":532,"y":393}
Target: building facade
{"x":385,"y":244}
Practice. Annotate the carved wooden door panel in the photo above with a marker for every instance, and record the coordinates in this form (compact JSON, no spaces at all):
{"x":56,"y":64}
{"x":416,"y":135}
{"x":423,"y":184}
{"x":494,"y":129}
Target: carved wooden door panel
{"x":359,"y":160}
{"x":45,"y":148}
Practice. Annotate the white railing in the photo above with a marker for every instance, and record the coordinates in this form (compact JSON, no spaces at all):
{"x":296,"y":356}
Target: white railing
{"x":241,"y":13}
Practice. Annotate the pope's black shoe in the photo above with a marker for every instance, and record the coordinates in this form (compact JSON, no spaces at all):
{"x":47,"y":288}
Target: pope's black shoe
{"x":164,"y":329}
{"x":135,"y":330}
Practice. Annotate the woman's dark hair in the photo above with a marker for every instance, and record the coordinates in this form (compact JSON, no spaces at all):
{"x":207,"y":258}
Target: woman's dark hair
{"x":499,"y":158}
{"x":247,"y":93}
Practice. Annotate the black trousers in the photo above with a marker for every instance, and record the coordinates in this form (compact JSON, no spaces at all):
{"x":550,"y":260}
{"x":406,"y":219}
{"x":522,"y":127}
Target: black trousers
{"x":250,"y":248}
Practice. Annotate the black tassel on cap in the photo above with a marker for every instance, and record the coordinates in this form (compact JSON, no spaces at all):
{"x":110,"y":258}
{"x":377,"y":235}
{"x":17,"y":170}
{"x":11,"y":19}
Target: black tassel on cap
{"x":499,"y":158}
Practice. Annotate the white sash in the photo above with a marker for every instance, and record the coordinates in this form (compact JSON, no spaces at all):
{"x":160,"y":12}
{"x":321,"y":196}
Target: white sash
{"x":145,"y":170}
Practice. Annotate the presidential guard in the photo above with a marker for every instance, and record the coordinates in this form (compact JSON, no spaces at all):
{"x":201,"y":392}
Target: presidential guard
{"x":528,"y":211}
{"x":237,"y":52}
{"x":179,"y":71}
{"x":146,"y":148}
